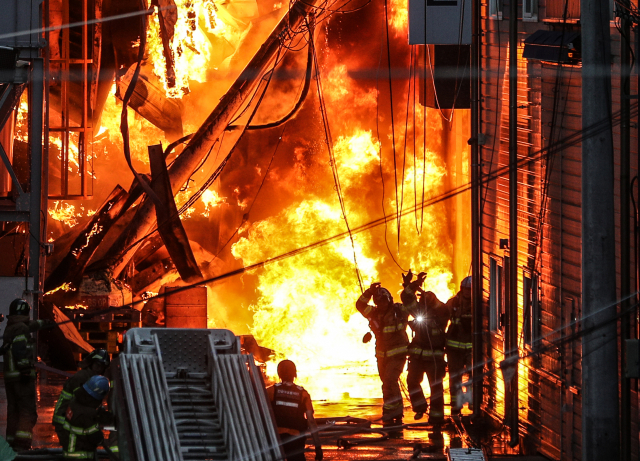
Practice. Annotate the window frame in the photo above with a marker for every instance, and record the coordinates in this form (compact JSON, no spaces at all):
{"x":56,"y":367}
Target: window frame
{"x":532,"y":318}
{"x":495,"y":9}
{"x":496,"y":295}
{"x":532,"y":15}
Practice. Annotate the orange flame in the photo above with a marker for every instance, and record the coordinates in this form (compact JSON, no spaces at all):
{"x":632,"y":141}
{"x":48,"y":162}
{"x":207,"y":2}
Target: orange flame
{"x":306,"y":305}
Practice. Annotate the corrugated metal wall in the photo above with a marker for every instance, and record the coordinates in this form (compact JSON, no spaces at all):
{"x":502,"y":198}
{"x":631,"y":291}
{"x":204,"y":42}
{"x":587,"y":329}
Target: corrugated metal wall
{"x":549,"y":100}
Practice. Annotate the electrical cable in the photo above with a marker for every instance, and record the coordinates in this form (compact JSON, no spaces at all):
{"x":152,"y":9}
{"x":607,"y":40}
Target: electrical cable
{"x":386,"y":241}
{"x":301,"y":98}
{"x":332,"y":162}
{"x":406,"y":133}
{"x":393,"y":128}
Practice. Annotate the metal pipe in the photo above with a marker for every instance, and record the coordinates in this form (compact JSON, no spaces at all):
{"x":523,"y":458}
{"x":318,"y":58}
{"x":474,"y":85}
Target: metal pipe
{"x":512,"y":334}
{"x":625,"y":234}
{"x":36,"y":102}
{"x":476,"y":218}
{"x":600,"y":404}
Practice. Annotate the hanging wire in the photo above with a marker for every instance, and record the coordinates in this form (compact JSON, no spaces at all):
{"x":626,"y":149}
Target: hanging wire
{"x":386,"y":240}
{"x":332,"y":162}
{"x":393,"y":127}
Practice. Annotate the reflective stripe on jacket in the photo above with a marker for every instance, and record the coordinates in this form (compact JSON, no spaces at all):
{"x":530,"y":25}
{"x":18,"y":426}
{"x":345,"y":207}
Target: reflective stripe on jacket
{"x":19,"y":358}
{"x":69,"y":388}
{"x":389,"y":327}
{"x":288,"y":406}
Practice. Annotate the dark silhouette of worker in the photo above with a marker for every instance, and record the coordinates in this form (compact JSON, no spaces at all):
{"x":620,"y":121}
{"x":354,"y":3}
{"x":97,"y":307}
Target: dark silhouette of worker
{"x":388,"y":321}
{"x":426,"y":351}
{"x":20,"y":373}
{"x":96,"y":363}
{"x":291,"y":404}
{"x":459,"y":342}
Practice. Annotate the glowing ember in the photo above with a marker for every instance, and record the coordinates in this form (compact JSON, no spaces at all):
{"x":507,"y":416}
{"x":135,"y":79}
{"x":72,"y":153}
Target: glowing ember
{"x":64,"y":287}
{"x":96,"y":229}
{"x":77,"y":306}
{"x":64,"y":212}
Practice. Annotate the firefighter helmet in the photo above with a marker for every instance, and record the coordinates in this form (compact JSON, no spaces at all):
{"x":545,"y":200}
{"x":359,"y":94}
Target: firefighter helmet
{"x":19,"y":307}
{"x":100,"y":356}
{"x":466,"y":282}
{"x":97,"y":387}
{"x":382,"y":297}
{"x":287,"y":370}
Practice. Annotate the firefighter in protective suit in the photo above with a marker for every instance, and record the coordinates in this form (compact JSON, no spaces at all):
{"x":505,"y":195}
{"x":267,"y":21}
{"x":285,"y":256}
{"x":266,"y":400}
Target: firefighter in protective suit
{"x":291,"y":404}
{"x":388,"y":321}
{"x":80,"y":434}
{"x":426,"y":351}
{"x":20,"y":373}
{"x":459,"y":341}
{"x":95,"y":363}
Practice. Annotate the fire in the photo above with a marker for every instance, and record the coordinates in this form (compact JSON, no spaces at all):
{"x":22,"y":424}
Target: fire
{"x":211,"y":199}
{"x":22,"y":119}
{"x":77,"y":306}
{"x":64,"y":287}
{"x":306,"y":305}
{"x":96,"y":229}
{"x":141,"y":132}
{"x":399,"y":15}
{"x":190,"y":47}
{"x":67,"y":213}
{"x":64,"y":212}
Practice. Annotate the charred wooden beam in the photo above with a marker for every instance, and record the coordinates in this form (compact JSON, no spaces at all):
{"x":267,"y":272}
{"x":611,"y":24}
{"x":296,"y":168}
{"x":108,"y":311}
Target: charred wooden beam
{"x":72,"y":266}
{"x":150,"y":275}
{"x":169,"y":225}
{"x":150,"y":102}
{"x":209,"y":132}
{"x":167,"y":17}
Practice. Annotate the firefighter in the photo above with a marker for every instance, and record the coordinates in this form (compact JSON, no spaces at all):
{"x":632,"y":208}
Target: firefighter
{"x":291,"y":403}
{"x":388,"y":321}
{"x":459,"y":342}
{"x":20,"y":373}
{"x":426,"y":351}
{"x":95,"y":363}
{"x":80,"y":434}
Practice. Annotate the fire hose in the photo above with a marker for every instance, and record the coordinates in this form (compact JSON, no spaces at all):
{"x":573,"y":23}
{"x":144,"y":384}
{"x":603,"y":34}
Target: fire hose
{"x":342,"y":428}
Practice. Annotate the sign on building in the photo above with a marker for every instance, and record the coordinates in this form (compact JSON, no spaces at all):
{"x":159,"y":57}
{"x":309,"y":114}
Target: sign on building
{"x":440,"y":22}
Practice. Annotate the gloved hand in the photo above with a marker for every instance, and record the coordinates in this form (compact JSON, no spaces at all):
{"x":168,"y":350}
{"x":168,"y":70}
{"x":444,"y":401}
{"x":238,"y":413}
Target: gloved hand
{"x":319,"y":454}
{"x":104,"y":417}
{"x":417,"y":283}
{"x":49,"y":323}
{"x":406,"y":279}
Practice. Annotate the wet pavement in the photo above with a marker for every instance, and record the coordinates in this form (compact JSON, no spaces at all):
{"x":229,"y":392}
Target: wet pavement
{"x":343,"y":438}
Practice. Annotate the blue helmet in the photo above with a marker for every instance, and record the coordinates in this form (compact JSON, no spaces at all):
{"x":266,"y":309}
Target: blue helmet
{"x":97,"y":387}
{"x":466,"y":282}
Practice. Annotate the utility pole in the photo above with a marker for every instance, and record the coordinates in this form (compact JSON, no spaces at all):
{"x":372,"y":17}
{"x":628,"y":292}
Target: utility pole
{"x":625,"y":234}
{"x":512,"y":333}
{"x":600,"y":413}
{"x":476,"y":217}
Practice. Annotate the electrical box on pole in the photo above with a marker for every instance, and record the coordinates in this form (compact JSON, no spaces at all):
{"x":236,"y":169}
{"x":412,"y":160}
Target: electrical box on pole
{"x":440,"y":22}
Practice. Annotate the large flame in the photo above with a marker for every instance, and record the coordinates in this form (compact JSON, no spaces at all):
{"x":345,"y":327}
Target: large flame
{"x":306,"y":306}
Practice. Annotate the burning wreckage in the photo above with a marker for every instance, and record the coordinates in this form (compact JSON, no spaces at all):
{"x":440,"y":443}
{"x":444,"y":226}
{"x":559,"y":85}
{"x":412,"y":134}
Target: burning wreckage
{"x":252,"y":218}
